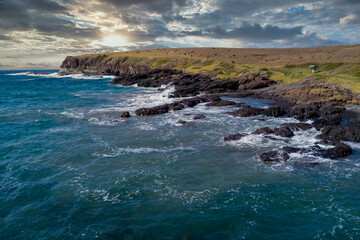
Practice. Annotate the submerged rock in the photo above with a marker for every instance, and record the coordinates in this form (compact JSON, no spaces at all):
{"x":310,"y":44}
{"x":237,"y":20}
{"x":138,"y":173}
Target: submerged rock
{"x":307,"y":164}
{"x":274,"y":156}
{"x":152,"y":111}
{"x":292,"y":149}
{"x":264,"y":130}
{"x":182,"y":122}
{"x":340,"y":150}
{"x":125,"y":115}
{"x":199,"y":116}
{"x":297,"y":126}
{"x":283,"y":132}
{"x":234,"y":137}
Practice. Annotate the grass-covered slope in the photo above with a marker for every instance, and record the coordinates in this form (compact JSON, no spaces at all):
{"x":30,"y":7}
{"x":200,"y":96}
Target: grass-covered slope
{"x":337,"y":65}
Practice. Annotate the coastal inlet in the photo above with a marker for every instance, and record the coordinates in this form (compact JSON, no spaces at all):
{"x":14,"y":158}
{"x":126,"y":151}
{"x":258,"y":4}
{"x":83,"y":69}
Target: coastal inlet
{"x":71,"y":167}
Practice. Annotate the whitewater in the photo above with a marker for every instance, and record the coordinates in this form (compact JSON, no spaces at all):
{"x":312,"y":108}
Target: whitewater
{"x":72,"y":168}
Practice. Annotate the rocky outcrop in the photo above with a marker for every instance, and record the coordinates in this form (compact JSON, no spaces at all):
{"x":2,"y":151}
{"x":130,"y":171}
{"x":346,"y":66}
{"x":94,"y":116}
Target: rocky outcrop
{"x":310,"y":99}
{"x":274,"y":156}
{"x":254,"y":80}
{"x":264,"y":130}
{"x":175,"y":106}
{"x":189,"y":84}
{"x":199,"y":116}
{"x":312,"y":110}
{"x":339,"y":150}
{"x":101,"y":64}
{"x":125,"y":115}
{"x":182,"y":122}
{"x":283,"y":132}
{"x":297,"y":126}
{"x":249,"y":111}
{"x":347,"y":132}
{"x":234,"y":137}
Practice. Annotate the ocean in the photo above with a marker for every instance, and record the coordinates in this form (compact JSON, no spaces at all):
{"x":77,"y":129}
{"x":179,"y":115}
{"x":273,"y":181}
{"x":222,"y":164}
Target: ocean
{"x":72,"y":168}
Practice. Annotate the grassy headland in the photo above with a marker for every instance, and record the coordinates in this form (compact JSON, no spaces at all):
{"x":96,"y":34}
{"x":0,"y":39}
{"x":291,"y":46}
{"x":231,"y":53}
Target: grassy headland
{"x":338,"y":65}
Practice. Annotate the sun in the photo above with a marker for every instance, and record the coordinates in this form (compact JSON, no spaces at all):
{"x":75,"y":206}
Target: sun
{"x":114,"y":41}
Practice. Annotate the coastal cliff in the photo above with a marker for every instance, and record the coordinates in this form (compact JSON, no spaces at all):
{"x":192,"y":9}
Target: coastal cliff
{"x":101,"y":64}
{"x":338,"y":65}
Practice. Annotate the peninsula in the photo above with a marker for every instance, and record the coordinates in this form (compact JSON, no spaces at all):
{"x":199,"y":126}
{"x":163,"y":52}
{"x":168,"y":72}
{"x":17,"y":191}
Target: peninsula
{"x":319,"y":84}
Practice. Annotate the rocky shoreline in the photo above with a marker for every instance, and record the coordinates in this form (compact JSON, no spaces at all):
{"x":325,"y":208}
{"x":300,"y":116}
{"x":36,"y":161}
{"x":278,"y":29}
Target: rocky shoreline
{"x":310,"y":99}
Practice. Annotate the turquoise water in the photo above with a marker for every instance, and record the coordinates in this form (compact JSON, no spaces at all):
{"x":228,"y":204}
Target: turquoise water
{"x":71,"y":168}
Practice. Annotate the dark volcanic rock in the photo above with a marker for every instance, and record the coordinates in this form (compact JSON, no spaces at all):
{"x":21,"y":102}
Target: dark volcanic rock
{"x":291,"y":149}
{"x":304,"y":111}
{"x":312,"y":110}
{"x":330,"y":108}
{"x":190,"y":84}
{"x":297,"y":126}
{"x":175,"y":106}
{"x":340,"y":150}
{"x":234,"y":137}
{"x":182,"y":122}
{"x":274,"y":156}
{"x":347,"y":132}
{"x":125,"y":115}
{"x":148,"y":78}
{"x":283,"y":132}
{"x":200,"y":116}
{"x":152,"y":111}
{"x":253,"y":80}
{"x":264,"y":130}
{"x":194,"y":84}
{"x":331,"y":120}
{"x":248,"y":111}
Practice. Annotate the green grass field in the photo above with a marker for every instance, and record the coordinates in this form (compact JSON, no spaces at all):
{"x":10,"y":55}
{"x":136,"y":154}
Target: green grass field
{"x":343,"y":74}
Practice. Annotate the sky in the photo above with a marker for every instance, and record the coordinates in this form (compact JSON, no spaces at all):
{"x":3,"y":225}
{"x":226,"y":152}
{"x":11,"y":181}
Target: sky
{"x":39,"y":34}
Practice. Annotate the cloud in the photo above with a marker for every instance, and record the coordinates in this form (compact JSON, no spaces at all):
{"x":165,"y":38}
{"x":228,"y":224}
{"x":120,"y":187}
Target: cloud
{"x":41,"y":16}
{"x":5,"y":38}
{"x":352,"y":18}
{"x":251,"y":33}
{"x":307,"y":40}
{"x":48,"y":30}
{"x":157,"y":6}
{"x":3,"y":65}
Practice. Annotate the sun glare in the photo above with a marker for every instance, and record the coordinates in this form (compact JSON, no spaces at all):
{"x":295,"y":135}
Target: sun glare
{"x":114,"y":41}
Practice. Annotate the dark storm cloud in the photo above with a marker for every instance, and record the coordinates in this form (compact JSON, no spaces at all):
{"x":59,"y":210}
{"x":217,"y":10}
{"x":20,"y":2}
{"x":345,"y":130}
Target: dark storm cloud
{"x":308,"y":40}
{"x":247,"y":7}
{"x":40,"y":15}
{"x":159,"y":6}
{"x":3,"y":38}
{"x":251,"y":33}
